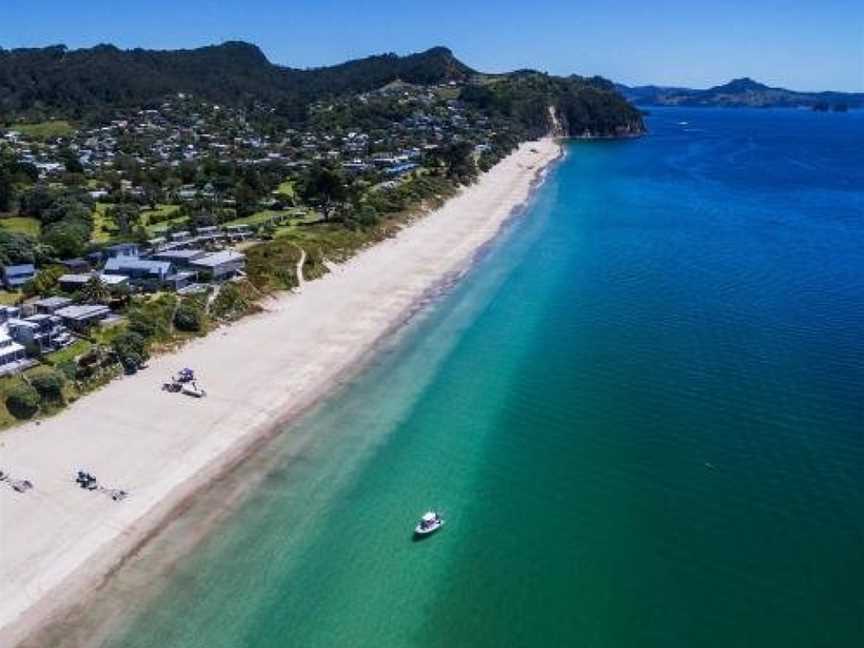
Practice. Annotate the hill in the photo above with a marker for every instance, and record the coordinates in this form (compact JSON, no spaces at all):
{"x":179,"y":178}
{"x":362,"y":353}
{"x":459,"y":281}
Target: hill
{"x":743,"y":92}
{"x":55,"y":82}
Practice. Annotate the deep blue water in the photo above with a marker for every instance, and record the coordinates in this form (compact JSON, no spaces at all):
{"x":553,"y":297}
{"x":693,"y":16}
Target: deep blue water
{"x":643,"y":414}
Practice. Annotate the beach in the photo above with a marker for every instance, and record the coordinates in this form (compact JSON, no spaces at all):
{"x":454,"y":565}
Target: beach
{"x":57,"y":540}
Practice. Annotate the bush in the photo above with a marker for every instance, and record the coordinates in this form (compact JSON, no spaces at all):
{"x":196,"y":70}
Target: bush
{"x":131,"y":350}
{"x":49,"y":383}
{"x":22,"y":401}
{"x":188,"y":317}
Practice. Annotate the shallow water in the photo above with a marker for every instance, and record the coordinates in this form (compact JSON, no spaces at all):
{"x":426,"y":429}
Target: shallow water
{"x":641,"y":414}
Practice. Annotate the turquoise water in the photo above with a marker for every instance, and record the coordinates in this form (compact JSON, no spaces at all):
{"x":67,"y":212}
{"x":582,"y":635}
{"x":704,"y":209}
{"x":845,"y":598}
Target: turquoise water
{"x":642,"y":413}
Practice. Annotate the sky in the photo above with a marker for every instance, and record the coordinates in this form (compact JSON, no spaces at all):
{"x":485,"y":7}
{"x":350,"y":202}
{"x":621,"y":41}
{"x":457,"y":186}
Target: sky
{"x":798,"y":44}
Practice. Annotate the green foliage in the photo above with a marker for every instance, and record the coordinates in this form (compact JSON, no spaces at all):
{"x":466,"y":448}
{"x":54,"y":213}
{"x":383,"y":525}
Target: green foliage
{"x":272,"y":265}
{"x":153,"y":319}
{"x":131,"y":349}
{"x":49,"y":383}
{"x":87,"y":81}
{"x":235,"y":299}
{"x":16,"y":248}
{"x":95,"y":291}
{"x":22,"y":401}
{"x":189,"y":317}
{"x":45,"y":281}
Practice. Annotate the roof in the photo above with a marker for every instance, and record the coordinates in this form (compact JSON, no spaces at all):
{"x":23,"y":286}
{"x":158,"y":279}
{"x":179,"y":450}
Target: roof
{"x":83,"y":312}
{"x":180,"y":255}
{"x":83,"y":278}
{"x":52,"y":302}
{"x":24,"y":268}
{"x":219,"y":258}
{"x":118,"y":264}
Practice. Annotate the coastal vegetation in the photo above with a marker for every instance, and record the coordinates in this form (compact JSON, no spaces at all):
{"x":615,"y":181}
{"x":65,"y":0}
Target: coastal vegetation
{"x":103,"y":147}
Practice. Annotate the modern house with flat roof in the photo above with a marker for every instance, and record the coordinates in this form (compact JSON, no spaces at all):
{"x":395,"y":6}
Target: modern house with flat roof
{"x":80,"y":317}
{"x":122,"y":250}
{"x":220,"y":265}
{"x":15,"y":276}
{"x":50,"y":305}
{"x":179,"y":258}
{"x":141,"y":272}
{"x":13,"y":356}
{"x":39,"y":333}
{"x":73,"y":282}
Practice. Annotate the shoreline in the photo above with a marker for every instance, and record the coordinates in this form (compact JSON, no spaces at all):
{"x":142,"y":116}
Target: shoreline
{"x":58,"y":542}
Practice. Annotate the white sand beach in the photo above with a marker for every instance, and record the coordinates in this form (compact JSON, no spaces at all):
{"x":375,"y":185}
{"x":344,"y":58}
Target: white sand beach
{"x":58,"y":540}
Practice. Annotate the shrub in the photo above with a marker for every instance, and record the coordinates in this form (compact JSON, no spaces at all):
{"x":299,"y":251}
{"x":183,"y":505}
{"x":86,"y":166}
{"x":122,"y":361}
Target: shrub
{"x":49,"y":383}
{"x":22,"y":401}
{"x":131,"y":350}
{"x":188,"y":317}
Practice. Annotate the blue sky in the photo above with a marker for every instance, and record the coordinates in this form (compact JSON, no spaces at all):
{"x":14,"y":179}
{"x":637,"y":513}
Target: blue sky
{"x":800,"y":44}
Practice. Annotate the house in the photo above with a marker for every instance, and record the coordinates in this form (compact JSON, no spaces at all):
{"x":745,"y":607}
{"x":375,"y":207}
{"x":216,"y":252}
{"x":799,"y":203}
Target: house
{"x":81,"y":317}
{"x":39,"y":333}
{"x":180,"y":258}
{"x":50,"y":305}
{"x":76,"y":265}
{"x":238,"y":232}
{"x":9,"y":312}
{"x":15,"y":276}
{"x":143,"y":273}
{"x":71,"y":282}
{"x":12,"y":354}
{"x":121,"y":250}
{"x":220,"y":265}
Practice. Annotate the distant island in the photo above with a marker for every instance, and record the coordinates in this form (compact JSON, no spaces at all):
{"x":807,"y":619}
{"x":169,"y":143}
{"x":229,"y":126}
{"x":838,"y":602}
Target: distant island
{"x":744,"y":92}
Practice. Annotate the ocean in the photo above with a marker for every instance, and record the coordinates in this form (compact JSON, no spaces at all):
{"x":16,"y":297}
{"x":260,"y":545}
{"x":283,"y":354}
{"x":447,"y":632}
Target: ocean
{"x":642,"y":414}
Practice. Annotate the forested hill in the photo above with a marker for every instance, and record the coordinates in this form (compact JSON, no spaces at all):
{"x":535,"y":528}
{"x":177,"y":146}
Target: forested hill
{"x":742,"y":92}
{"x":92,"y":83}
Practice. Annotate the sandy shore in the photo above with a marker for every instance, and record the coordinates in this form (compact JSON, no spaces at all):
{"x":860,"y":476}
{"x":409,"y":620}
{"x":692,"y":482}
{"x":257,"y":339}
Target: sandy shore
{"x":57,"y":540}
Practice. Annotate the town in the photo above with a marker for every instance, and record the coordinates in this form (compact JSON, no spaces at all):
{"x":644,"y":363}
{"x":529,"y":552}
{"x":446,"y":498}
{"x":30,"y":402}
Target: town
{"x":132,"y":233}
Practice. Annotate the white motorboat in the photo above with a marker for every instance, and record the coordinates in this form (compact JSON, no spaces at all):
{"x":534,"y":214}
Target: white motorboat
{"x":429,"y":523}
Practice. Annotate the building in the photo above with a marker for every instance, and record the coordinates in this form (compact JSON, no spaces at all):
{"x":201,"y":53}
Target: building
{"x":50,"y":305}
{"x":13,"y":356}
{"x":15,"y":276}
{"x":122,"y":250}
{"x":220,"y":265}
{"x":179,"y":258}
{"x":142,"y":273}
{"x":72,"y":282}
{"x":80,"y":317}
{"x":76,"y":266}
{"x":39,"y":333}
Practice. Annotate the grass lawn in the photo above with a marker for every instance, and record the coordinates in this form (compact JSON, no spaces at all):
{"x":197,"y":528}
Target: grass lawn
{"x":22,"y":225}
{"x":158,"y":229}
{"x":286,"y":189}
{"x":9,"y":298}
{"x":77,"y":348}
{"x":45,"y":130}
{"x":103,"y":226}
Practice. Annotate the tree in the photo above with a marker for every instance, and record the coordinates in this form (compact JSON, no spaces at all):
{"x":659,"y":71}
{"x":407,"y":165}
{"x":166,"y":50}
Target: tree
{"x":49,"y":383}
{"x":131,"y":350}
{"x":68,"y":237}
{"x":95,"y":291}
{"x":16,"y":248}
{"x":126,"y":216}
{"x":188,"y":317}
{"x":22,"y":401}
{"x":326,"y":185}
{"x":45,"y":281}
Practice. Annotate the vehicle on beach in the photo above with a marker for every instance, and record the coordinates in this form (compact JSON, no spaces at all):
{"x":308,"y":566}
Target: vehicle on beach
{"x":429,"y":523}
{"x":184,"y":383}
